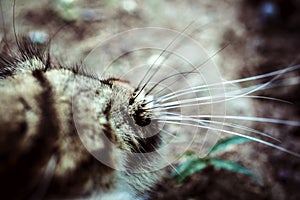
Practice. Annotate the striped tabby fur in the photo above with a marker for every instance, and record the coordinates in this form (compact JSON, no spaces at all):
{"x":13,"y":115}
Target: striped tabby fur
{"x":42,"y":154}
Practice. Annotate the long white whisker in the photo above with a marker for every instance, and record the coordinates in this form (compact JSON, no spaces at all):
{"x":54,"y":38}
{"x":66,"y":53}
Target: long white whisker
{"x":184,"y":103}
{"x":256,"y":119}
{"x":230,"y":93}
{"x":233,"y":125}
{"x":199,"y":89}
{"x":276,"y":74}
{"x":179,"y":104}
{"x":268,"y":98}
{"x":231,"y":96}
{"x":237,"y":134}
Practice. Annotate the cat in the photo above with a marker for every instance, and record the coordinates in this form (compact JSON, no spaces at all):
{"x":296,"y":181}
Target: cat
{"x":68,"y":133}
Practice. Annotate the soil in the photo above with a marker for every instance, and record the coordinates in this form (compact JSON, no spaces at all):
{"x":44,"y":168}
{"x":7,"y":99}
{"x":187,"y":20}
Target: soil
{"x":260,"y":41}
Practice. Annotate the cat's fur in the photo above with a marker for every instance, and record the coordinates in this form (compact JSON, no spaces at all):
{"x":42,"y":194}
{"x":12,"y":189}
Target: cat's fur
{"x":42,"y":154}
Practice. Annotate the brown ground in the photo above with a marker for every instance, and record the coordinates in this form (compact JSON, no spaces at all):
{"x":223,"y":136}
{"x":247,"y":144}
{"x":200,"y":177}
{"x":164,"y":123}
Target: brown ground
{"x":259,"y":44}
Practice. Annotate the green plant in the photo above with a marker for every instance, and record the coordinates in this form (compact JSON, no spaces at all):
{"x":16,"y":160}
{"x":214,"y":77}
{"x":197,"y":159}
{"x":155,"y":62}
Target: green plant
{"x":195,"y":164}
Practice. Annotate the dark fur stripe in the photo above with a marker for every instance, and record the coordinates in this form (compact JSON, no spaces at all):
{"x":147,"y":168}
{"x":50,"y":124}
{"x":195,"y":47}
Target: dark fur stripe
{"x":24,"y":175}
{"x":72,"y":183}
{"x":108,"y":130}
{"x":48,"y":122}
{"x":110,"y":134}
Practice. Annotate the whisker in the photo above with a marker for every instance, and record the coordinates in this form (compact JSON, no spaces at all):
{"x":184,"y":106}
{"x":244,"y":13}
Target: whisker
{"x":237,"y":134}
{"x":268,"y":98}
{"x":232,"y":125}
{"x":153,"y":64}
{"x":229,"y":96}
{"x":3,"y":24}
{"x":14,"y":25}
{"x":164,"y":79}
{"x":275,"y":73}
{"x":184,"y":103}
{"x":247,"y":118}
{"x":189,"y":72}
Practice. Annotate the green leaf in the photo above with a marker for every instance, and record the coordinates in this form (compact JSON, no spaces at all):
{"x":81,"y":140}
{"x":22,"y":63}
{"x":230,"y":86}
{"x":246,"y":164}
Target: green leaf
{"x":182,"y":167}
{"x":190,"y":157}
{"x":222,"y":145}
{"x":232,"y":166}
{"x":188,"y":168}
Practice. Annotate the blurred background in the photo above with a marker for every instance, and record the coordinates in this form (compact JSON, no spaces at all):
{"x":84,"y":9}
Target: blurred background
{"x":263,"y":36}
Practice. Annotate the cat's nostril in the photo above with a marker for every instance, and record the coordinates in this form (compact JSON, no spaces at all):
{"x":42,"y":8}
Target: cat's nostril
{"x":141,"y":118}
